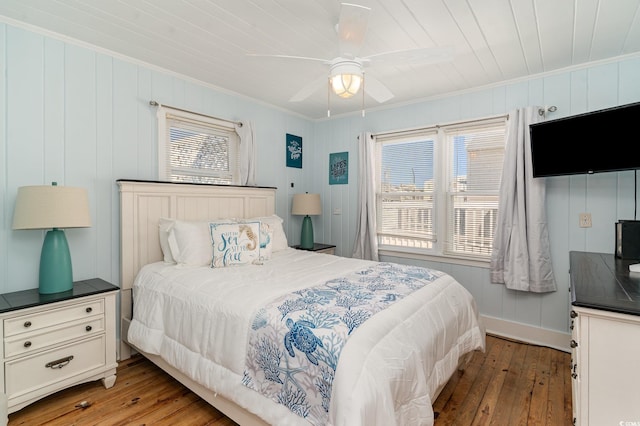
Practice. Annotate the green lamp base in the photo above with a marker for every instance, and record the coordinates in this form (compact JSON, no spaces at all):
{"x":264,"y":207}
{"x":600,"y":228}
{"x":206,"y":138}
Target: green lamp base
{"x":306,"y":236}
{"x":55,"y":264}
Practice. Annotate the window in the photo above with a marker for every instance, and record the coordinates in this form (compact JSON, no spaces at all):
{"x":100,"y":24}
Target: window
{"x":196,"y":148}
{"x":437,"y":188}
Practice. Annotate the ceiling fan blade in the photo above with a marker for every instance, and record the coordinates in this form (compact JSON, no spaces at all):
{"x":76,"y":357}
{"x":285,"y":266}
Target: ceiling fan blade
{"x":288,"y":57}
{"x":421,"y":55}
{"x":310,"y":88}
{"x":352,"y":28}
{"x":374,"y":88}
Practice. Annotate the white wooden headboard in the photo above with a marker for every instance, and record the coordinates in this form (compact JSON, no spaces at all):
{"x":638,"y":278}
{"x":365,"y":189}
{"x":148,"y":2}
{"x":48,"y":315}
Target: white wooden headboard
{"x":143,"y":203}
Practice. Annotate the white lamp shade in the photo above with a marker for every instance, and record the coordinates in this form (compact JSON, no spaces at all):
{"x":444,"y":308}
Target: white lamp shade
{"x":51,"y":206}
{"x":306,"y":204}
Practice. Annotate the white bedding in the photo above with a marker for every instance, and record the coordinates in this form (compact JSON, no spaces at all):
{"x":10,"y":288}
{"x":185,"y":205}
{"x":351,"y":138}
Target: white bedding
{"x":197,"y":319}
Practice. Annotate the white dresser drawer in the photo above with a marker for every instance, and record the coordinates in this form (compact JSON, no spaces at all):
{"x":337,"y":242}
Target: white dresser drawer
{"x":24,"y":343}
{"x":39,"y":320}
{"x":29,"y":373}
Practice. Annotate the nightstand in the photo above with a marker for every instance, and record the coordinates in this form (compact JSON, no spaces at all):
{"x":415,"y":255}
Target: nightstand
{"x":319,"y":248}
{"x":54,"y":341}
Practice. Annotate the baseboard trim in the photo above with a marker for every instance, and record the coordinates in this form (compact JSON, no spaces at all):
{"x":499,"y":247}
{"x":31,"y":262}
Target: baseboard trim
{"x":527,"y":333}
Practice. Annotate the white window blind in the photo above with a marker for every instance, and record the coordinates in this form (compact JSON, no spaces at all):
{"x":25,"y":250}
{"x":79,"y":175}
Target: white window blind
{"x":477,"y":154}
{"x":406,"y":196}
{"x":437,"y":188}
{"x":197,"y":149}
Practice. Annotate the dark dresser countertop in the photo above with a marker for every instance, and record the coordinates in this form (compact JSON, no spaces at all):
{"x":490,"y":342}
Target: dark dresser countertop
{"x":28,"y":298}
{"x":602,"y":281}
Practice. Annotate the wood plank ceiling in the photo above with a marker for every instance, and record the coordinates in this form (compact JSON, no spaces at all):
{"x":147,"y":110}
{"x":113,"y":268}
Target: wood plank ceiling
{"x":209,"y":40}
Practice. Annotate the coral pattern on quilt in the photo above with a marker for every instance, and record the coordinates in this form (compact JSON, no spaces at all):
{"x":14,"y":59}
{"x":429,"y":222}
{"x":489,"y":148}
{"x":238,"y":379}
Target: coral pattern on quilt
{"x":295,"y":341}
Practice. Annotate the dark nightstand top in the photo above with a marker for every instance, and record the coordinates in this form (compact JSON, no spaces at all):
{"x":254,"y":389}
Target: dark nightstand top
{"x":316,"y":247}
{"x":28,"y":298}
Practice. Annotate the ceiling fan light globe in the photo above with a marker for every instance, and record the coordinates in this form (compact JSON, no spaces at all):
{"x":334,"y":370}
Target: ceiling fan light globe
{"x":346,"y":85}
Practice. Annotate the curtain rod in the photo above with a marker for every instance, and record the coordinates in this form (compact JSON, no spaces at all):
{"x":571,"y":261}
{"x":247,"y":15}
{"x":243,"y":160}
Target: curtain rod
{"x":435,"y":126}
{"x":541,"y":111}
{"x":158,"y":104}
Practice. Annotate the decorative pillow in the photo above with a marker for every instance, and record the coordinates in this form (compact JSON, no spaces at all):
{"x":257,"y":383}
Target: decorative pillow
{"x":164,"y":227}
{"x":190,"y":243}
{"x":235,"y":243}
{"x":275,"y":223}
{"x":266,"y":241}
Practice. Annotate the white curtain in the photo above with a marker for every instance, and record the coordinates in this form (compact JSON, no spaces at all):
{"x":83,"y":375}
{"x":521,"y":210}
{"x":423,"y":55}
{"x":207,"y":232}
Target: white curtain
{"x":247,"y":153}
{"x":366,"y":244}
{"x":521,"y":258}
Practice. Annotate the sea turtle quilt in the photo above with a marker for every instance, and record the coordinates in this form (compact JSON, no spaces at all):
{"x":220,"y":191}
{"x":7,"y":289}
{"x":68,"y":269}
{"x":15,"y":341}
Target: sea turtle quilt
{"x":295,"y":341}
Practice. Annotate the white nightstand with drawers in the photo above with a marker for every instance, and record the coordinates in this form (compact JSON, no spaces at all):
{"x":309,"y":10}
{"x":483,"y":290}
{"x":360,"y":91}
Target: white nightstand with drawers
{"x":53,"y":341}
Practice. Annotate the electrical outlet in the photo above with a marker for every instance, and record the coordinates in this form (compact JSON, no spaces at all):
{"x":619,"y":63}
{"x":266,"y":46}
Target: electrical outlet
{"x":585,"y":220}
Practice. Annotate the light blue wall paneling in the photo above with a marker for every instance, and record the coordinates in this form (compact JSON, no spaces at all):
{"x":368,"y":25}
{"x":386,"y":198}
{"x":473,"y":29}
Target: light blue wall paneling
{"x":608,"y":196}
{"x":83,"y":118}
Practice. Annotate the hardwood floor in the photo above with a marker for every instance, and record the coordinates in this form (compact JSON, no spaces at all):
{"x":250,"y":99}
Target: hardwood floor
{"x":510,"y":384}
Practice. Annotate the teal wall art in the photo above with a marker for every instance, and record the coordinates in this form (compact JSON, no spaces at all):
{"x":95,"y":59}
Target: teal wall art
{"x":294,"y":151}
{"x":339,"y":168}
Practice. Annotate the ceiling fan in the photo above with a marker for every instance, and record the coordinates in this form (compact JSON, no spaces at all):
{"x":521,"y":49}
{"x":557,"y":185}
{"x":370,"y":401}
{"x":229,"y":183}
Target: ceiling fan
{"x":346,"y":71}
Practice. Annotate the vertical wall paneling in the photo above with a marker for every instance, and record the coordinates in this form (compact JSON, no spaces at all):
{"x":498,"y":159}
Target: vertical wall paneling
{"x":53,"y":110}
{"x":107,"y":225}
{"x":82,"y":117}
{"x":80,"y":159}
{"x":24,"y":162}
{"x":5,"y":214}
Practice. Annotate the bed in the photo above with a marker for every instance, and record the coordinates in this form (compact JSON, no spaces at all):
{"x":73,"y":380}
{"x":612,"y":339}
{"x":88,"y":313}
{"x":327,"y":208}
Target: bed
{"x":287,"y":337}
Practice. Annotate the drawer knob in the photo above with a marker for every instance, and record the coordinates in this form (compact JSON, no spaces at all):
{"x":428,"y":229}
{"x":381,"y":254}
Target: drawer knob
{"x":27,"y":344}
{"x":27,"y":324}
{"x":573,"y":314}
{"x":574,"y":344}
{"x":88,"y":328}
{"x":59,"y":363}
{"x":89,"y":309}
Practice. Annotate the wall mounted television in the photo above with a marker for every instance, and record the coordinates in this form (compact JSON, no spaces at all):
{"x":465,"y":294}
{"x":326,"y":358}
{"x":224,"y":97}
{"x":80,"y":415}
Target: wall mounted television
{"x":599,"y":141}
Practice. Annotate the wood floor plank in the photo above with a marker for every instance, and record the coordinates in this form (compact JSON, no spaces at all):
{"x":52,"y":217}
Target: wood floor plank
{"x":502,"y":412}
{"x":521,"y":403}
{"x":540,"y":395}
{"x":489,"y":402}
{"x":511,"y":383}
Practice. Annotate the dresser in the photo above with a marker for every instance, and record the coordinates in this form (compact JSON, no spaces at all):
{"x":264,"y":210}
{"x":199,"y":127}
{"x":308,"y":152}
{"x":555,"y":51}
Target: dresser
{"x":605,"y":333}
{"x":54,"y":341}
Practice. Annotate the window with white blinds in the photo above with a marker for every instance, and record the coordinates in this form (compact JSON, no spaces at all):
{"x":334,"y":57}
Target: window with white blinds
{"x":195,"y":148}
{"x":438,"y":188}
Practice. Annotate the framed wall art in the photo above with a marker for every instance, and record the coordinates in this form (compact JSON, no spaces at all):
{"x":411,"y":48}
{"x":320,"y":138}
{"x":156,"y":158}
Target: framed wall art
{"x":294,"y":151}
{"x":339,"y":168}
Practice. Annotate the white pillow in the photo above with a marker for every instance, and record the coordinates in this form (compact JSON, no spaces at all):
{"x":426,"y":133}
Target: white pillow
{"x":164,"y":227}
{"x":190,"y":243}
{"x":235,"y":243}
{"x":275,"y":223}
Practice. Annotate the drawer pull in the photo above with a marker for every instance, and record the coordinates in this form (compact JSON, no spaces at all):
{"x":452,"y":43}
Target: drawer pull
{"x":89,"y":309}
{"x":27,"y":344}
{"x":88,"y":328}
{"x":574,"y":344}
{"x":59,"y":363}
{"x":573,"y":314}
{"x":27,"y":324}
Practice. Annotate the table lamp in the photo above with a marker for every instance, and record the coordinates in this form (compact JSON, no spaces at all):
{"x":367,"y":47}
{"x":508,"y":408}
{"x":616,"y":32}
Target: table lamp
{"x":306,"y":204}
{"x":53,"y":207}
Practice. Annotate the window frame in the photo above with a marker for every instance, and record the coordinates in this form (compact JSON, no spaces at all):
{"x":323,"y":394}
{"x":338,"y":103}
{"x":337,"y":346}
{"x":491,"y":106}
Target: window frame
{"x":443,"y":196}
{"x":219,"y":126}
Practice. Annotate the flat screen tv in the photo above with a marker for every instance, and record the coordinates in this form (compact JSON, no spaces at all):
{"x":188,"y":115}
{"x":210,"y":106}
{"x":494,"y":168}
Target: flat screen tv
{"x":600,"y":141}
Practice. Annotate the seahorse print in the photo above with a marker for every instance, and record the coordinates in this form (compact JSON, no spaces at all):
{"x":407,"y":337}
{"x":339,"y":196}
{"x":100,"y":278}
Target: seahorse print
{"x":253,"y":243}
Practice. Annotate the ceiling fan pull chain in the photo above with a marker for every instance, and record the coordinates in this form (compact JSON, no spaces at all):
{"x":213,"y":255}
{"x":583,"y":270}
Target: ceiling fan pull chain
{"x":363,"y":83}
{"x":329,"y":98}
